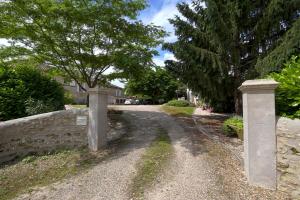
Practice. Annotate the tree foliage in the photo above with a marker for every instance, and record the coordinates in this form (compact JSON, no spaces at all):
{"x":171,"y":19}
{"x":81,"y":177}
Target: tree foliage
{"x":83,"y":38}
{"x":157,"y":84}
{"x":288,"y":92}
{"x":26,"y":91}
{"x":222,"y":43}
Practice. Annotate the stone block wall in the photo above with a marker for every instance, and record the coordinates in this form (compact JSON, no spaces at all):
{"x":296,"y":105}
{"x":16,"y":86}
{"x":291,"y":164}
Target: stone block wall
{"x":42,"y":133}
{"x":288,"y":156}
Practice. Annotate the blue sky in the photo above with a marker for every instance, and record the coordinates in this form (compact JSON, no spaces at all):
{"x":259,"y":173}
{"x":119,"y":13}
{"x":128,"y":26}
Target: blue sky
{"x":159,"y":12}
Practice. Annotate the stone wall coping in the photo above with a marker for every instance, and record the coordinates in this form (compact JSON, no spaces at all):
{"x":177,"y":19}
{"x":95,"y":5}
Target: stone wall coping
{"x":258,"y":84}
{"x":98,"y":90}
{"x":292,"y":124}
{"x":288,"y":119}
{"x":39,"y":116}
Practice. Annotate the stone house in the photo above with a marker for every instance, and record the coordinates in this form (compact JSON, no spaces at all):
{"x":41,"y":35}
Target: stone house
{"x":115,"y":93}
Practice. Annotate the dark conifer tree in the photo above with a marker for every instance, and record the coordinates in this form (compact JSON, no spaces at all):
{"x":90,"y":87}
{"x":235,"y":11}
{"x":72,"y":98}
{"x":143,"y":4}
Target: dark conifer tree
{"x":223,"y":43}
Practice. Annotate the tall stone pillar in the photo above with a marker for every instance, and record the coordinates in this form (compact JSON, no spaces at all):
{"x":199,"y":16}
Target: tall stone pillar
{"x":97,"y":130}
{"x":260,"y":132}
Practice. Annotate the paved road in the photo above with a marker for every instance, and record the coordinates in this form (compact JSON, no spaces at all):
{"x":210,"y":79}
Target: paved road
{"x":201,"y":169}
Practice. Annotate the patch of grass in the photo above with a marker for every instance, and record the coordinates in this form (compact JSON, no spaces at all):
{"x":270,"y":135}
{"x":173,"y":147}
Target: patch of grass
{"x":178,"y":111}
{"x":152,"y":163}
{"x":79,"y":106}
{"x":35,"y":171}
{"x":179,"y":103}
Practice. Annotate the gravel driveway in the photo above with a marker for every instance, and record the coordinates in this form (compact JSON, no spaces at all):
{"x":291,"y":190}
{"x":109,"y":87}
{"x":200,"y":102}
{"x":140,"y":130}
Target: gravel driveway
{"x":201,"y":168}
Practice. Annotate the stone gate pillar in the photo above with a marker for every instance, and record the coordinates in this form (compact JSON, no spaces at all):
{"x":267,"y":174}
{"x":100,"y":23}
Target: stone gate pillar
{"x":259,"y":132}
{"x":97,"y":129}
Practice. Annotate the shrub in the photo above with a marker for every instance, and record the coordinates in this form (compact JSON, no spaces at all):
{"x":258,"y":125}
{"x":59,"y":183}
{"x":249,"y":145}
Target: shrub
{"x":69,"y":98}
{"x":34,"y":107}
{"x":288,"y":91}
{"x":233,"y":127}
{"x":179,"y":103}
{"x":25,"y":91}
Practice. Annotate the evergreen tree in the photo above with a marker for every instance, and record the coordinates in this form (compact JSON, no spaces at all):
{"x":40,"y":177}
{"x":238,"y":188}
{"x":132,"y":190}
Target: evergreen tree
{"x":222,"y":43}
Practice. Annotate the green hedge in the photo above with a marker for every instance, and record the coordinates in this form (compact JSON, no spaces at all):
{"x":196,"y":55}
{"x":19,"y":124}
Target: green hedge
{"x":26,"y":91}
{"x":288,"y":91}
{"x":69,"y":98}
{"x":233,"y":127}
{"x":179,"y":103}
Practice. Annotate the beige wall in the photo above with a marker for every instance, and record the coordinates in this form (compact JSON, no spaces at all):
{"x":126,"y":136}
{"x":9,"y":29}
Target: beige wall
{"x":39,"y":133}
{"x":49,"y":131}
{"x":288,"y":156}
{"x":115,"y":95}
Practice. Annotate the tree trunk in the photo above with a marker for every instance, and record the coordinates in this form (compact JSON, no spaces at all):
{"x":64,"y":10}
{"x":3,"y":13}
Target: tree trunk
{"x":87,"y":100}
{"x":238,"y":102}
{"x":237,"y":73}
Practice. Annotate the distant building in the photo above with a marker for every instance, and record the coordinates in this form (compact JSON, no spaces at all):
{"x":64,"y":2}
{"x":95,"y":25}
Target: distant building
{"x":115,"y":93}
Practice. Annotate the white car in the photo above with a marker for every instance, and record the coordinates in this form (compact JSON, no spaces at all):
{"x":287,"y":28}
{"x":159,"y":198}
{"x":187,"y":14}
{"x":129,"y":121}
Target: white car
{"x":128,"y":101}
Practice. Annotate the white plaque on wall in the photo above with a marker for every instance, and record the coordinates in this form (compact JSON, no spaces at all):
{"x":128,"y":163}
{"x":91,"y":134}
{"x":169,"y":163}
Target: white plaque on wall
{"x":81,"y":120}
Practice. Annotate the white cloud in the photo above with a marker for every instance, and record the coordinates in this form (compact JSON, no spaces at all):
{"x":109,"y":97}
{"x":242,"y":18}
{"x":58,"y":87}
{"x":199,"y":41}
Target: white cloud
{"x":169,"y":56}
{"x":4,"y":42}
{"x":159,"y":61}
{"x":117,"y":82}
{"x":167,"y":11}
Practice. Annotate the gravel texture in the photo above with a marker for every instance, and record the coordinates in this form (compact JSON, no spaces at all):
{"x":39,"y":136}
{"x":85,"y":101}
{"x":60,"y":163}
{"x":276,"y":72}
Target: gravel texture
{"x":201,"y":168}
{"x":109,"y":179}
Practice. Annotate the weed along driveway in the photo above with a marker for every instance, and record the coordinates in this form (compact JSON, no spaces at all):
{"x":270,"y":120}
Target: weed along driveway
{"x":161,"y":157}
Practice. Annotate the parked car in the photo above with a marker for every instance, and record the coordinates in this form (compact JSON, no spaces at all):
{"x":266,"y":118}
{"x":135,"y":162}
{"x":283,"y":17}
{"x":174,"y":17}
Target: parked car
{"x":146,"y":102}
{"x":128,"y":102}
{"x":137,"y":102}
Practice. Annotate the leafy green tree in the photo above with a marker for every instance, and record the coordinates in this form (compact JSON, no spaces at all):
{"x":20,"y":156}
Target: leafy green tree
{"x":157,"y":84}
{"x":222,"y":43}
{"x":26,"y":91}
{"x":86,"y":39}
{"x":288,"y":91}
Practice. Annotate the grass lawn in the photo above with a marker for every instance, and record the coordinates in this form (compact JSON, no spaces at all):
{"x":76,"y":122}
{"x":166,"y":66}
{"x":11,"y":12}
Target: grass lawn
{"x":35,"y":171}
{"x":152,"y":163}
{"x":178,"y":111}
{"x":79,"y":106}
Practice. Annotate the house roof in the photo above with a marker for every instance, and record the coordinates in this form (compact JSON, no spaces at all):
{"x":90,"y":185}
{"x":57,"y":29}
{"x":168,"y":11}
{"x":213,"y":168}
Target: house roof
{"x":110,"y":85}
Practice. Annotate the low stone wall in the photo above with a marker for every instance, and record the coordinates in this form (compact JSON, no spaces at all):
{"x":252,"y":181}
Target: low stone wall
{"x":43,"y":133}
{"x":288,"y":156}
